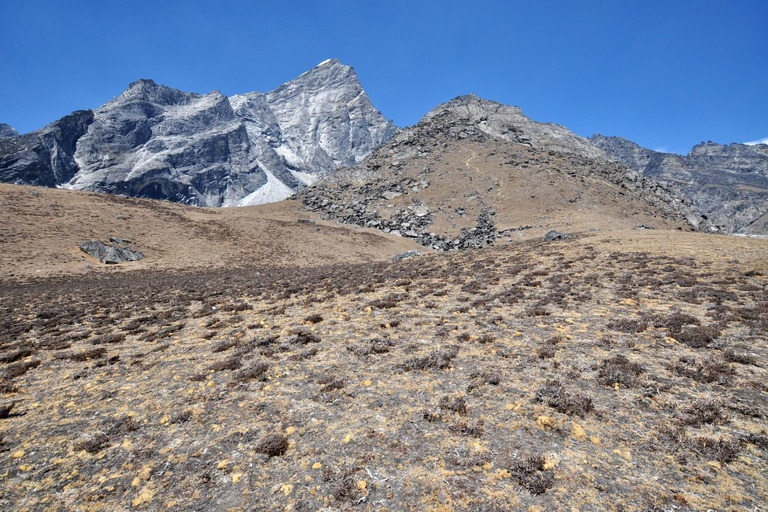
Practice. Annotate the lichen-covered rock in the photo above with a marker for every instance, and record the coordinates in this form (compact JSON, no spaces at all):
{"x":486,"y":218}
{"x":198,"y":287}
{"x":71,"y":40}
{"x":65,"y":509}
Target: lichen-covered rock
{"x":405,"y":255}
{"x":110,"y":254}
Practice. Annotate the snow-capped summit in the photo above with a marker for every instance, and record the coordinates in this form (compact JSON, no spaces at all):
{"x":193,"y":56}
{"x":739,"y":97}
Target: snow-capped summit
{"x":211,"y":150}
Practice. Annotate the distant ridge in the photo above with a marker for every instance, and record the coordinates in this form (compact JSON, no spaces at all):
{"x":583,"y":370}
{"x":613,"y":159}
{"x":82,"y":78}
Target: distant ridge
{"x":727,"y":183}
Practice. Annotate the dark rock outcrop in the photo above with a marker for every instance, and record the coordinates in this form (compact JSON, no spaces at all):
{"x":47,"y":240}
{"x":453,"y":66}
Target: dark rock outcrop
{"x":728,"y":184}
{"x":553,"y":235}
{"x":111,"y":254}
{"x":45,"y":157}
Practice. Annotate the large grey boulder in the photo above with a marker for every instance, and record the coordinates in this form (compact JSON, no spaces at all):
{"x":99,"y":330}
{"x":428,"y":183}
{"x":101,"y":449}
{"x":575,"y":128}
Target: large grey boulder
{"x":553,"y":235}
{"x":110,"y":254}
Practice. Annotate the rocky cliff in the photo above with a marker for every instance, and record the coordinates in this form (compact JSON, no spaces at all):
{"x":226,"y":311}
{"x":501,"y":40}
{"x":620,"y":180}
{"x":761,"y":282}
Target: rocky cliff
{"x":208,"y":150}
{"x":728,"y":184}
{"x":45,"y":157}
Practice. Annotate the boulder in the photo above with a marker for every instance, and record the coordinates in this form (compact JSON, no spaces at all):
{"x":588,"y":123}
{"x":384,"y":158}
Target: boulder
{"x":109,"y":254}
{"x":555,"y":235}
{"x":405,"y":255}
{"x":389,"y":194}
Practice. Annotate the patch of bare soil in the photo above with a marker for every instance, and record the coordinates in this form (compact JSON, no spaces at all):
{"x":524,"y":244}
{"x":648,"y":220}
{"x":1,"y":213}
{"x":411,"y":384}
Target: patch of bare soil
{"x":595,"y":373}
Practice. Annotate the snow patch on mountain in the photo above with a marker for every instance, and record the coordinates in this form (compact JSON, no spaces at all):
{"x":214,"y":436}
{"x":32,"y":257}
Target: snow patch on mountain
{"x":756,"y":142}
{"x":272,"y":191}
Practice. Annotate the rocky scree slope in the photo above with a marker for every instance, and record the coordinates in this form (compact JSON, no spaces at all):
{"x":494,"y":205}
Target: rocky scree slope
{"x":726,"y":183}
{"x":208,"y":150}
{"x":474,"y":170}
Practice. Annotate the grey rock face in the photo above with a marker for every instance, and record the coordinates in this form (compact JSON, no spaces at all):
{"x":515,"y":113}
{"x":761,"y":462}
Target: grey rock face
{"x":7,"y":131}
{"x":45,"y":157}
{"x":162,"y":143}
{"x":110,"y":254}
{"x":321,"y":120}
{"x":209,"y":150}
{"x":510,"y":124}
{"x":728,"y":184}
{"x":553,"y":235}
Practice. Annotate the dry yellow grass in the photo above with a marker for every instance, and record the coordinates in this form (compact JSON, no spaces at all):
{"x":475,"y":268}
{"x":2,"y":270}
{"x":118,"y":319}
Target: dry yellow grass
{"x":569,"y":375}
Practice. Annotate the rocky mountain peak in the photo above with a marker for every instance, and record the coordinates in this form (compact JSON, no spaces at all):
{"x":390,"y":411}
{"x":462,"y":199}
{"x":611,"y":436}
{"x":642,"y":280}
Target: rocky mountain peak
{"x":326,"y":118}
{"x":7,"y":131}
{"x":146,"y":90}
{"x":614,"y":141}
{"x":142,"y":83}
{"x":710,"y":148}
{"x":210,"y":150}
{"x":328,"y":71}
{"x":473,"y":108}
{"x":508,"y":123}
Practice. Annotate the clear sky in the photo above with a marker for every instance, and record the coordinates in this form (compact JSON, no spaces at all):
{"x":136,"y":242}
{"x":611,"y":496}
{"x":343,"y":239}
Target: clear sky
{"x":666,"y":74}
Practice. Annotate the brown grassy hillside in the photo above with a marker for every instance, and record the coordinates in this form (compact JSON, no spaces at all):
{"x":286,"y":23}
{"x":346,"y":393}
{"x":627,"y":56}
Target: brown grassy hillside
{"x":613,"y":371}
{"x":41,"y":229}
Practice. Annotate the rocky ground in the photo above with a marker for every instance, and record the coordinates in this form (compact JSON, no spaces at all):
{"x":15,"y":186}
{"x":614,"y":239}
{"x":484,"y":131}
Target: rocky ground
{"x":609,"y":371}
{"x":465,"y":177}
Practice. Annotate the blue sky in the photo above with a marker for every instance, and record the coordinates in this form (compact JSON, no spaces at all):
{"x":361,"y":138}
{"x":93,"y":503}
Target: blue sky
{"x":666,"y":74}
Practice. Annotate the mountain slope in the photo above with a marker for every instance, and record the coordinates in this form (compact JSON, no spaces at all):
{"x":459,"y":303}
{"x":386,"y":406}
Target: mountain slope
{"x":727,"y":183}
{"x":209,"y":150}
{"x":45,"y":157}
{"x":7,"y":131}
{"x":41,"y":230}
{"x":473,"y":171}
